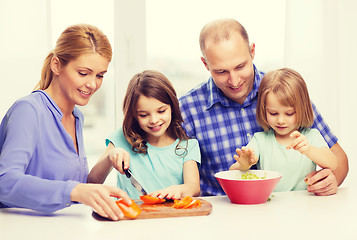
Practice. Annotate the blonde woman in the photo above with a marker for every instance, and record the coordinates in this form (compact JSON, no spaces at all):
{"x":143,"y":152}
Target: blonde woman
{"x":43,"y":165}
{"x":288,"y":144}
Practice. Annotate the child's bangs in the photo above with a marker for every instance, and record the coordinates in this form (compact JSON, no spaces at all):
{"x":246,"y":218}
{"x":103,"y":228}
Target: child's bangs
{"x":286,"y":96}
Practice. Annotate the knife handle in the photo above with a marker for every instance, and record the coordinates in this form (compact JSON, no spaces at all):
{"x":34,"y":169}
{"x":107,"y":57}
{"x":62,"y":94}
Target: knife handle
{"x":126,"y":171}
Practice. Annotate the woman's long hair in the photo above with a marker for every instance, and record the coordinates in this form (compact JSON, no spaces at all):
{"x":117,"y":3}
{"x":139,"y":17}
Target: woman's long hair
{"x":75,"y":41}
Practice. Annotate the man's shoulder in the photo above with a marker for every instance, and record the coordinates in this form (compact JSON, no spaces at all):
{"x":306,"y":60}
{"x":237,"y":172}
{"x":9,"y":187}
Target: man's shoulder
{"x":198,"y":90}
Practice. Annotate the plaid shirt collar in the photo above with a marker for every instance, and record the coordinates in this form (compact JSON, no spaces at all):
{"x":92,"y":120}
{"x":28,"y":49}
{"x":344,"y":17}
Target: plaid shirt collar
{"x":216,"y":95}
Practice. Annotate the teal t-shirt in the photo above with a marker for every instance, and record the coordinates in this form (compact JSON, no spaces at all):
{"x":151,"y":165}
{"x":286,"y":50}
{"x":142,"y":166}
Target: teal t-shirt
{"x":159,"y":168}
{"x":293,"y":165}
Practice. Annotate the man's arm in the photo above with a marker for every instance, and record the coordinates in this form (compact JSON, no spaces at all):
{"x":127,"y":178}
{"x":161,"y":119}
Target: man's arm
{"x":325,"y":182}
{"x":342,"y":163}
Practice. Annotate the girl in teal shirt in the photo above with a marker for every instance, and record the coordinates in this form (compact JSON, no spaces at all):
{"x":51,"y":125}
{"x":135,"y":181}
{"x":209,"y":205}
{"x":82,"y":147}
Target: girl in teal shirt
{"x":287,"y":145}
{"x":152,"y":142}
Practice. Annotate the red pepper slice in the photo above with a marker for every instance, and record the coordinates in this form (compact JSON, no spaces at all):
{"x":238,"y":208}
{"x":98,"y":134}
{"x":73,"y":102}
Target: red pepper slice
{"x":193,"y":204}
{"x":151,"y":200}
{"x":187,"y":202}
{"x":183,"y":202}
{"x":130,"y":211}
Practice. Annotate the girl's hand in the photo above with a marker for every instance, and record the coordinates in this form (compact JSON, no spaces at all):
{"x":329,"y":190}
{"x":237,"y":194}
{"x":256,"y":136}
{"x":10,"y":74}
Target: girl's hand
{"x":245,"y":159}
{"x":172,"y":192}
{"x":99,"y":198}
{"x":300,"y":143}
{"x":117,"y":157}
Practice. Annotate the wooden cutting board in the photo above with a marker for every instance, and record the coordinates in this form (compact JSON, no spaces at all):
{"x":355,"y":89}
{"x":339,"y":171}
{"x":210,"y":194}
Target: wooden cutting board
{"x":165,"y":210}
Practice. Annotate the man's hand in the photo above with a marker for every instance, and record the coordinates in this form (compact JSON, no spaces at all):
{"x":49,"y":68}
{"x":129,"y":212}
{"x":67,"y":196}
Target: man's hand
{"x":322,"y":183}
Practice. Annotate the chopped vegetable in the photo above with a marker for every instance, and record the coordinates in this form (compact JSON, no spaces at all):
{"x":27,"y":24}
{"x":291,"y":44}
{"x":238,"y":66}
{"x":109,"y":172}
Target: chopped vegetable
{"x":193,"y":204}
{"x":269,"y":199}
{"x":187,"y":202}
{"x":130,"y":211}
{"x":151,"y":200}
{"x":182,"y":202}
{"x":249,"y":175}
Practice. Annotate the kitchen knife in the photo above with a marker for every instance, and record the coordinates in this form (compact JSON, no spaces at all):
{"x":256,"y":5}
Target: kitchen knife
{"x":133,"y":181}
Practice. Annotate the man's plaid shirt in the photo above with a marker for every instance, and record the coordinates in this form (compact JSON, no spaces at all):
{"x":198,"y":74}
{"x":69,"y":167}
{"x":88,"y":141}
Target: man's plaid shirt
{"x":221,"y":125}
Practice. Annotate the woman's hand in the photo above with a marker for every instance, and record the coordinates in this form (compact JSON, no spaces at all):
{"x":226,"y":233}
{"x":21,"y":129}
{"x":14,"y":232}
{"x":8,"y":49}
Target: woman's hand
{"x":99,"y":197}
{"x":322,"y":183}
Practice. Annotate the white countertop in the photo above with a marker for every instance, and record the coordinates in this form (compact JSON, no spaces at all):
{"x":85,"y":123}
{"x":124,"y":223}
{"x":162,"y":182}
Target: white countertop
{"x":289,"y":215}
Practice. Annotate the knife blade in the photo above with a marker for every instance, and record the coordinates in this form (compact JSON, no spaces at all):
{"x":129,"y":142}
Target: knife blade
{"x":133,"y":181}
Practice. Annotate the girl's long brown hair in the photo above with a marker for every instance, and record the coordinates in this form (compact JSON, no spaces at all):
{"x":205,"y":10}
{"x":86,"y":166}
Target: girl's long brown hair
{"x":151,"y":84}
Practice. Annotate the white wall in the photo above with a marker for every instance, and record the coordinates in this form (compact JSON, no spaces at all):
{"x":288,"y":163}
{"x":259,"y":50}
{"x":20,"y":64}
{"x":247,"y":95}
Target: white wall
{"x":347,"y":45}
{"x":321,"y":45}
{"x":129,"y":47}
{"x":23,"y":46}
{"x":312,"y":49}
{"x":173,"y":31}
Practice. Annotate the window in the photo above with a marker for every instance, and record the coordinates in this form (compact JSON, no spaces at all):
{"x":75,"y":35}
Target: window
{"x":173,"y":29}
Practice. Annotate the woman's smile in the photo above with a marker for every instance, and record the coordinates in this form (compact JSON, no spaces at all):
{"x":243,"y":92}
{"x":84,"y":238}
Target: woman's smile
{"x":84,"y":93}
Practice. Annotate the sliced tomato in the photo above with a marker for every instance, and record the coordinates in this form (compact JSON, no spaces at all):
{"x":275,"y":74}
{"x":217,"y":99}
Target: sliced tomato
{"x":130,"y":211}
{"x":151,"y":200}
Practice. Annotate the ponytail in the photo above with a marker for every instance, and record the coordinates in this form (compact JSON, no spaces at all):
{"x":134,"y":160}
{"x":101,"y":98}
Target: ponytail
{"x":46,"y":74}
{"x":72,"y":43}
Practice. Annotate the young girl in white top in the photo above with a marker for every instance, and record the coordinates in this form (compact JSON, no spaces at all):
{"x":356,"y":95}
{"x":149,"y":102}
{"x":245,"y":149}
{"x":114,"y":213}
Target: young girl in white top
{"x":288,"y":145}
{"x":152,"y":142}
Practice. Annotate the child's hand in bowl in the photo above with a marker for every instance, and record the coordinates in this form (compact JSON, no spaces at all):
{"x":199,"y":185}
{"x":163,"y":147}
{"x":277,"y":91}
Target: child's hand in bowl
{"x":245,"y":158}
